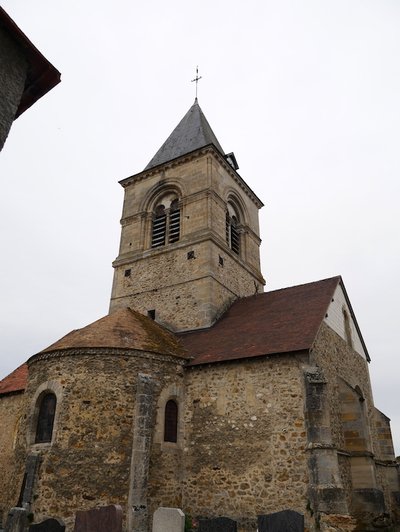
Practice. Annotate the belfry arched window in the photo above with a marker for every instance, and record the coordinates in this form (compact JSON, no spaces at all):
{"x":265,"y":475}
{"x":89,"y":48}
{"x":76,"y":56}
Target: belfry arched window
{"x":166,"y":227}
{"x":232,"y":229}
{"x":45,"y":419}
{"x":171,"y":421}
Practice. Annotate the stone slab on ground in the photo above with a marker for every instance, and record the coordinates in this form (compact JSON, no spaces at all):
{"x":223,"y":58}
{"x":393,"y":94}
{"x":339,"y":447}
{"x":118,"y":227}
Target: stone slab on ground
{"x":217,"y":524}
{"x":168,"y":520}
{"x":103,"y":519}
{"x":285,"y":521}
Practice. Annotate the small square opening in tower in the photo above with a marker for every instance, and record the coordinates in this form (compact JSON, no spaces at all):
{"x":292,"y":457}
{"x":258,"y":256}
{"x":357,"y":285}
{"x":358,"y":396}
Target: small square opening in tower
{"x":151,"y":314}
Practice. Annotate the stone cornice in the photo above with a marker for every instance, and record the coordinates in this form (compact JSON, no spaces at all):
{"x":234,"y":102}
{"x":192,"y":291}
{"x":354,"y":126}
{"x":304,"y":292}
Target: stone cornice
{"x":195,"y":238}
{"x":189,"y":157}
{"x":105,"y":351}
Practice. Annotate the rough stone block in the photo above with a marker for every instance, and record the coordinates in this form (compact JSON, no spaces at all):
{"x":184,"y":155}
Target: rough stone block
{"x":168,"y":520}
{"x":285,"y":521}
{"x":218,"y":524}
{"x":104,"y":519}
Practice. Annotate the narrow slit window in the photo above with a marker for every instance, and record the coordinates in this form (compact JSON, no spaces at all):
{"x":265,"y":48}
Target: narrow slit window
{"x":171,"y":422}
{"x":45,"y":421}
{"x":159,"y":227}
{"x":232,"y":234}
{"x":235,"y":239}
{"x":174,"y":222}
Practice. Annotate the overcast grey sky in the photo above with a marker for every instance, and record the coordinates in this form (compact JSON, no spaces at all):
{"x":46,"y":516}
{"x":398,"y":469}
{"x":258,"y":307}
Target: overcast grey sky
{"x":305,"y":92}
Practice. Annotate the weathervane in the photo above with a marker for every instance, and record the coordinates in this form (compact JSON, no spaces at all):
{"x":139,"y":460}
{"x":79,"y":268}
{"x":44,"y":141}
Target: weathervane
{"x":196,"y":79}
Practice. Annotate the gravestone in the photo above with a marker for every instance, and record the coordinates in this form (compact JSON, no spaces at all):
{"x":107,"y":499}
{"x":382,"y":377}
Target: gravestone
{"x":217,"y":524}
{"x":103,"y":519}
{"x":31,"y":469}
{"x":285,"y":521}
{"x":48,"y":525}
{"x":168,"y":520}
{"x":17,"y":520}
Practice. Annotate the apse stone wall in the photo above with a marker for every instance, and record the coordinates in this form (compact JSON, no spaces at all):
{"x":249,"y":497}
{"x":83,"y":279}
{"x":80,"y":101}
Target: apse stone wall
{"x":98,"y":423}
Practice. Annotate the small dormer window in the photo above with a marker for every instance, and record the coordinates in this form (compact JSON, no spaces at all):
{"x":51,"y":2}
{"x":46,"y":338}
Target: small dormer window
{"x":166,"y":222}
{"x":230,"y":157}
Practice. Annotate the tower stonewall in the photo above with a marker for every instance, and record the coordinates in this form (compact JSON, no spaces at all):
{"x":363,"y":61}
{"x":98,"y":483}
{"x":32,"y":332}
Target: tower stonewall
{"x":190,"y":232}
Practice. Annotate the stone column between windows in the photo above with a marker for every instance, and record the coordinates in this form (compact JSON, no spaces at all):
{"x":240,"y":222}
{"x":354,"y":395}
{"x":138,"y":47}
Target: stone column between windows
{"x":142,"y":436}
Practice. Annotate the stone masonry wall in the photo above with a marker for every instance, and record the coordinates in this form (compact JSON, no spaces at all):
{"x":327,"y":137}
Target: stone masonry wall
{"x":13,"y":69}
{"x":339,"y":360}
{"x":185,"y":293}
{"x":11,"y":408}
{"x":360,"y":462}
{"x":245,"y":439}
{"x":193,"y":280}
{"x":88,"y":462}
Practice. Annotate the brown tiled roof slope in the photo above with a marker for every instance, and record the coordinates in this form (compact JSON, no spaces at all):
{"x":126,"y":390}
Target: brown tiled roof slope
{"x":123,"y":329}
{"x":15,"y":382}
{"x":275,"y":322}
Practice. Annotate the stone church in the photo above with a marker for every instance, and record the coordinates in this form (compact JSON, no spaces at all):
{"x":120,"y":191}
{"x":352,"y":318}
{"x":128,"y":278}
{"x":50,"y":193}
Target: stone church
{"x":198,"y":390}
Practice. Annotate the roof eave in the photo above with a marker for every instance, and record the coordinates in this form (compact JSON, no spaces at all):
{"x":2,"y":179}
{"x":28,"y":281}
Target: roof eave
{"x":355,"y":320}
{"x":42,"y":75}
{"x":297,"y":352}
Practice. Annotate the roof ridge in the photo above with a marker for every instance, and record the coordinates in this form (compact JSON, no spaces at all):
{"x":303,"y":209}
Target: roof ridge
{"x":338,"y":277}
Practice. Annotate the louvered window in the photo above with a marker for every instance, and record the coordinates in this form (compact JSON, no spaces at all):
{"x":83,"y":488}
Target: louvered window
{"x":174,"y":222}
{"x":235,"y":241}
{"x":159,"y":227}
{"x":45,"y":421}
{"x":171,"y":422}
{"x":232,"y":233}
{"x":166,"y":225}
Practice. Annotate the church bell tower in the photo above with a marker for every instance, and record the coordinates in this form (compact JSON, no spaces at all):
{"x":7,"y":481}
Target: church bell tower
{"x":190,"y":233}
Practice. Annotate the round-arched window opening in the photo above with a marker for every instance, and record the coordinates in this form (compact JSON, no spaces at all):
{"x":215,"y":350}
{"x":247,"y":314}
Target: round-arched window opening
{"x":171,"y":421}
{"x":45,"y":419}
{"x":166,"y":222}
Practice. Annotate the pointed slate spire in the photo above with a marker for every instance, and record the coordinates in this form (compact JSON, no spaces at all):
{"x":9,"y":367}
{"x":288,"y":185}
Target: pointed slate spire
{"x":192,"y":132}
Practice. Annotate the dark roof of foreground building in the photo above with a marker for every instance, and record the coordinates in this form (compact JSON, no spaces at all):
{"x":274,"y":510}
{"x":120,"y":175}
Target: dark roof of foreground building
{"x":122,"y":329}
{"x":281,"y":321}
{"x":192,"y":132}
{"x":15,"y":382}
{"x":42,"y":76}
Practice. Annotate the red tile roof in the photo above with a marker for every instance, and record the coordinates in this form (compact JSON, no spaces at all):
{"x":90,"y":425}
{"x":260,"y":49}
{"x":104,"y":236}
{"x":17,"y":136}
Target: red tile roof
{"x":122,"y":329}
{"x":281,"y":321}
{"x":15,"y":382}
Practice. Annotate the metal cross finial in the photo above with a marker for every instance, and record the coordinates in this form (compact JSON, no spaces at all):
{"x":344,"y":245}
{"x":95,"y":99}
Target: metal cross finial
{"x":196,"y":79}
